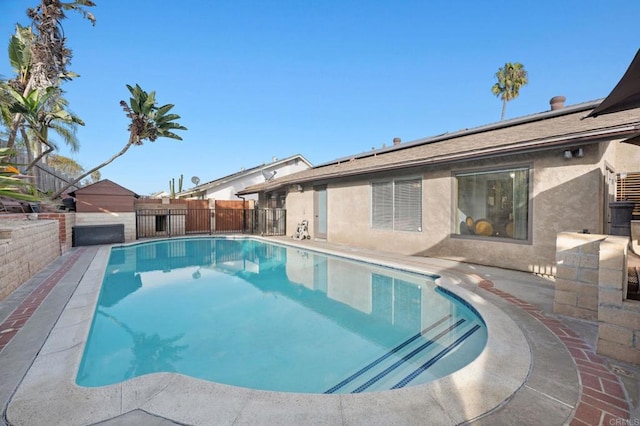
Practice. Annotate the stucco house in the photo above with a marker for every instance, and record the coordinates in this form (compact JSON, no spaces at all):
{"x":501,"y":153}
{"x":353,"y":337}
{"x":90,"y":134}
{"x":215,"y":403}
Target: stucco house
{"x":226,"y":188}
{"x":497,"y":194}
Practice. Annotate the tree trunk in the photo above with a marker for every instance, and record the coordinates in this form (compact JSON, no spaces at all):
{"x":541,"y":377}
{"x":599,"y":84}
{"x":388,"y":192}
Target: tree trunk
{"x":42,"y":140}
{"x":17,"y":119}
{"x":27,"y":146}
{"x":84,"y":175}
{"x":504,"y":108}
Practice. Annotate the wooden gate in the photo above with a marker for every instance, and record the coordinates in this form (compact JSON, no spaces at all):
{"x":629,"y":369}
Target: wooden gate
{"x":198,"y":220}
{"x":229,"y":216}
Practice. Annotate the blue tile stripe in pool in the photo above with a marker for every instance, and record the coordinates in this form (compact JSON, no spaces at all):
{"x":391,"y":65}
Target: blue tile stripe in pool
{"x":385,"y":356}
{"x":435,"y":359}
{"x":405,"y":358}
{"x":461,"y":300}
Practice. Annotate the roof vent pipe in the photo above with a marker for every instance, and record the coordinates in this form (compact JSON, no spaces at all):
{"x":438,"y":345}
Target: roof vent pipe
{"x":557,"y":102}
{"x":396,"y":141}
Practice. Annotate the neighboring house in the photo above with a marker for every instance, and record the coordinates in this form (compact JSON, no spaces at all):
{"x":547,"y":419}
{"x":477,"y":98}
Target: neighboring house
{"x":496,"y":194}
{"x":160,"y":194}
{"x":227,"y":187}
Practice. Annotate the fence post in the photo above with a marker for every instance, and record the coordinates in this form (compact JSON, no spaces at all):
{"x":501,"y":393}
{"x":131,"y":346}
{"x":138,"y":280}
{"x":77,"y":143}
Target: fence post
{"x":244,"y":220}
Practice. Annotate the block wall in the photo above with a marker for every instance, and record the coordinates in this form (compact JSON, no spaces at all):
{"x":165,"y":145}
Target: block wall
{"x":591,"y":283}
{"x":618,"y":317}
{"x":577,"y":275}
{"x":26,"y":247}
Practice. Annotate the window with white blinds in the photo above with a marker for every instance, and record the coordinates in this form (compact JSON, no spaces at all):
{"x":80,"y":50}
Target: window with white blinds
{"x":397,"y":205}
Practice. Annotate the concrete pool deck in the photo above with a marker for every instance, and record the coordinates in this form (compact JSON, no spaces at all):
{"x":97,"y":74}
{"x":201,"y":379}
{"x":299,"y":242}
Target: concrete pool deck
{"x":543,"y":369}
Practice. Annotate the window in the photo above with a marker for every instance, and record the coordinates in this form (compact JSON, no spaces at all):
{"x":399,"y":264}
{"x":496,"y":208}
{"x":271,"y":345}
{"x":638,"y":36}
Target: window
{"x":493,"y":203}
{"x":397,"y":205}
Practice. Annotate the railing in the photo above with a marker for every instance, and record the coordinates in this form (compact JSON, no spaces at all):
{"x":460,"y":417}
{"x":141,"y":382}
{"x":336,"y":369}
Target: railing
{"x":181,"y":221}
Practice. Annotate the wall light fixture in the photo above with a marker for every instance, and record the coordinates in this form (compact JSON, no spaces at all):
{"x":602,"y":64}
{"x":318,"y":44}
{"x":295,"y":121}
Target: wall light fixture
{"x":573,"y":153}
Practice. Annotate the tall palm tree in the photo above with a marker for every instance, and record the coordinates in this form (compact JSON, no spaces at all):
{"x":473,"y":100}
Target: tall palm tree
{"x":47,"y":57}
{"x":511,"y":78}
{"x":50,"y":55}
{"x":20,"y":57}
{"x":15,"y":102}
{"x":147,"y":122}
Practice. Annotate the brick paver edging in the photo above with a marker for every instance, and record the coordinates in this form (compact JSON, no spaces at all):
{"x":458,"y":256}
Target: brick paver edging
{"x":602,"y":398}
{"x":19,"y":317}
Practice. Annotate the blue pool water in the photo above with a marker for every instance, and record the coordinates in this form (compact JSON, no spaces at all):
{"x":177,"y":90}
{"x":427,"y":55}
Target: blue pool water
{"x":248,"y":313}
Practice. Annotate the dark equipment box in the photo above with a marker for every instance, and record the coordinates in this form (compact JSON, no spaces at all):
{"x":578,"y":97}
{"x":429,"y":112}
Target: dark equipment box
{"x":88,"y":235}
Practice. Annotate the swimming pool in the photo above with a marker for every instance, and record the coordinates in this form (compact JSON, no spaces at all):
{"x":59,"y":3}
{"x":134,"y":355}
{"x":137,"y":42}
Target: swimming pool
{"x":265,"y":316}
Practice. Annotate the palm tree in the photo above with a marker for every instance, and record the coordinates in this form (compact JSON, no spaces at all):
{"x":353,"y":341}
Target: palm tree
{"x":40,"y":104}
{"x":41,"y":58}
{"x":20,"y":57}
{"x":147,"y":122}
{"x":50,"y":56}
{"x":511,"y":78}
{"x":43,"y":111}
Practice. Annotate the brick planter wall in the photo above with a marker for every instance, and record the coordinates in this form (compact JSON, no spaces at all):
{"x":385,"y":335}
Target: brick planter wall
{"x":65,"y":227}
{"x":26,"y":247}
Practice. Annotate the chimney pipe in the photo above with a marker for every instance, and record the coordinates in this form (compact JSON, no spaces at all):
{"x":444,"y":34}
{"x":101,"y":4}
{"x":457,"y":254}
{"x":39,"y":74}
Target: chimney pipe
{"x":396,"y":141}
{"x":557,"y":102}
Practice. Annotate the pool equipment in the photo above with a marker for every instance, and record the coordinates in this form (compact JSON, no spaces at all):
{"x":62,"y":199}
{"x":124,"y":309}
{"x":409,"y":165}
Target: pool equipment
{"x":302,"y":232}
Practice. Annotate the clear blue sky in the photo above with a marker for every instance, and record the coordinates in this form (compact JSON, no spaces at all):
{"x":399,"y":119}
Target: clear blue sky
{"x":253,"y":80}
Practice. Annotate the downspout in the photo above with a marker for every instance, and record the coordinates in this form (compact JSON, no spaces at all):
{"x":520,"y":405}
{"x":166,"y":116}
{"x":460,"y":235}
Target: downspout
{"x":244,"y":212}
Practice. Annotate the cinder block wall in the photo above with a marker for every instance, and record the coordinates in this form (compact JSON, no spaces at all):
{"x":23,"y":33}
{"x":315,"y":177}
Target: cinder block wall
{"x":26,"y":246}
{"x":592,"y":283}
{"x":618,"y":317}
{"x":577,"y":258}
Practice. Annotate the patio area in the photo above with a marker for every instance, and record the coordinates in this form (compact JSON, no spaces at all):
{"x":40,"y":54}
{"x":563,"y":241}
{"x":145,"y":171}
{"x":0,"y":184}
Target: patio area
{"x":564,"y":381}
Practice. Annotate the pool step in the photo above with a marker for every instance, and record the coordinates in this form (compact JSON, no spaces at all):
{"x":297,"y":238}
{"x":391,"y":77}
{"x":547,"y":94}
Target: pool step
{"x":409,"y":360}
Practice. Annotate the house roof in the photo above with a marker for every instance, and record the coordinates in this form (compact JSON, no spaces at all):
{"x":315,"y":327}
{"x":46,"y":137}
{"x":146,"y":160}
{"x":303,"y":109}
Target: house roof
{"x":547,"y":130}
{"x":242,"y":173}
{"x":104,"y":187}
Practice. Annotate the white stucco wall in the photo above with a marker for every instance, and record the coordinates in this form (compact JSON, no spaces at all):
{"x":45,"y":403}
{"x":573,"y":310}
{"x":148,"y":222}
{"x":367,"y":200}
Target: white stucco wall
{"x":228,"y":190}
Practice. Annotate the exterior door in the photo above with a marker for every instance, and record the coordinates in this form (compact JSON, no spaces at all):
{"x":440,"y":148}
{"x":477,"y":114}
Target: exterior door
{"x":320,"y":212}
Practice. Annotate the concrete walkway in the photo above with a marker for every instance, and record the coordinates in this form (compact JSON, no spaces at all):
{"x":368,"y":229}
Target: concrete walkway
{"x":567,"y":382}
